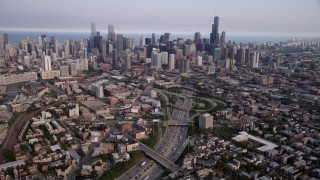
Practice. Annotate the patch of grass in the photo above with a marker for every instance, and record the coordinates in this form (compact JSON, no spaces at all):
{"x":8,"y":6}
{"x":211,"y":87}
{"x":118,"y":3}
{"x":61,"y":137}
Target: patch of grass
{"x":121,"y":167}
{"x":224,"y":133}
{"x":9,"y":154}
{"x":175,"y":90}
{"x":153,"y":138}
{"x":31,"y":109}
{"x":195,"y":127}
{"x":218,"y":107}
{"x":173,"y":99}
{"x":260,"y":167}
{"x":165,"y":173}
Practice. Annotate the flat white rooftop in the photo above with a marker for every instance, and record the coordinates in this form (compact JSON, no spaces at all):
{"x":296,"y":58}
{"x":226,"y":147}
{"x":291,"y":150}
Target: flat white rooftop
{"x":244,"y":136}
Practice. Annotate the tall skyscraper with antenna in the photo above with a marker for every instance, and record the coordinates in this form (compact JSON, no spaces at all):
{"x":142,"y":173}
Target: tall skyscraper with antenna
{"x":1,"y":42}
{"x":153,"y":40}
{"x":6,"y":39}
{"x":111,"y":33}
{"x":93,"y":29}
{"x":214,"y":35}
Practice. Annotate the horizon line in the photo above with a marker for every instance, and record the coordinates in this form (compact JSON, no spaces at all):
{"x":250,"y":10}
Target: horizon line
{"x":56,"y":30}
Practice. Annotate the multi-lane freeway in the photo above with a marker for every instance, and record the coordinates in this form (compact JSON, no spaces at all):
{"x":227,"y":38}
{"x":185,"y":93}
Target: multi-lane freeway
{"x":170,"y":145}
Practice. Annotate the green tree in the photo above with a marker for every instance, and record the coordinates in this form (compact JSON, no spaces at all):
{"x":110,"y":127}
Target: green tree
{"x":9,"y":154}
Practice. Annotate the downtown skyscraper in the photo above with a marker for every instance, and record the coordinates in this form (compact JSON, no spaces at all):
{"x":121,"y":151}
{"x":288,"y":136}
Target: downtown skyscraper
{"x":1,"y":41}
{"x":93,"y":29}
{"x":214,"y":35}
{"x":111,"y":33}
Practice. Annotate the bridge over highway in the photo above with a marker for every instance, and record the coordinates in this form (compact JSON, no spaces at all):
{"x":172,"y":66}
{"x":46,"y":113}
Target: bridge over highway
{"x":159,"y":158}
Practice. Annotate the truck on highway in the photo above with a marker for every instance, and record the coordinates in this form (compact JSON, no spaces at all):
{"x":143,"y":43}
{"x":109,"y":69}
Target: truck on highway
{"x":145,"y":178}
{"x":143,"y":163}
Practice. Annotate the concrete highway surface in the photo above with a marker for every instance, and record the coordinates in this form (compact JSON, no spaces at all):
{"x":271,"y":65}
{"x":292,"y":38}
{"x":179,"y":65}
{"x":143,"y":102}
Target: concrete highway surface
{"x":170,"y":144}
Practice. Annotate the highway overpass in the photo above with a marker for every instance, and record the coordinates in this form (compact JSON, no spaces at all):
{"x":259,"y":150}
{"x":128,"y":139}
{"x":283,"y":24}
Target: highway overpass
{"x":159,"y":158}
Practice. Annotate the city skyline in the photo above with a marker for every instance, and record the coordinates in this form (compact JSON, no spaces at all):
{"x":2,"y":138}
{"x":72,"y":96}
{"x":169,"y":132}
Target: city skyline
{"x":292,"y":17}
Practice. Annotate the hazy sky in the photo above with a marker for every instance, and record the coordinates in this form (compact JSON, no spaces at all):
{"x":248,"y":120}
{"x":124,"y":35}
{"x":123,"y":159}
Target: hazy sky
{"x":267,"y":17}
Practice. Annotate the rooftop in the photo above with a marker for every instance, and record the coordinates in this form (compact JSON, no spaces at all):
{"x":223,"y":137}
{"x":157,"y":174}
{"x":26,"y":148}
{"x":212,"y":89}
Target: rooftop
{"x":243,"y":136}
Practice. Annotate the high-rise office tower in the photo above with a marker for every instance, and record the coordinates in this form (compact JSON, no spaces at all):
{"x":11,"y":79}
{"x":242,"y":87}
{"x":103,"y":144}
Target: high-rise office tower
{"x":1,"y":41}
{"x":114,"y":59}
{"x":127,"y":61}
{"x":54,"y":57}
{"x":248,"y":53}
{"x":171,"y":62}
{"x":110,"y":48}
{"x":97,"y":42}
{"x":214,"y":35}
{"x":93,"y":29}
{"x":53,"y":39}
{"x":26,"y":61}
{"x":193,"y":49}
{"x":254,"y":63}
{"x":186,"y":50}
{"x":44,"y":42}
{"x":91,"y":42}
{"x":164,"y":39}
{"x":142,"y":41}
{"x":111,"y":33}
{"x":128,"y":43}
{"x":85,"y":52}
{"x":119,"y":42}
{"x":163,"y":47}
{"x":73,"y":69}
{"x":147,"y":41}
{"x":241,"y":56}
{"x":156,"y":59}
{"x":164,"y":57}
{"x":224,"y":54}
{"x":6,"y":39}
{"x":55,"y":44}
{"x":216,"y":54}
{"x":24,"y":45}
{"x":197,"y":37}
{"x":46,"y":62}
{"x":86,"y":64}
{"x":66,"y":49}
{"x":153,"y":40}
{"x":104,"y":51}
{"x":206,"y":121}
{"x":223,"y":39}
{"x":184,"y":66}
{"x":232,"y":51}
{"x":199,"y":60}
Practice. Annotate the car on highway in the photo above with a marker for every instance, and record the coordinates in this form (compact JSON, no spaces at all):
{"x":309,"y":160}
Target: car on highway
{"x":143,"y":163}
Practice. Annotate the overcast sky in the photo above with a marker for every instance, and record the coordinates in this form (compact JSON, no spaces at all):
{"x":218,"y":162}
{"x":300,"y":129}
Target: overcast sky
{"x":237,"y":17}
